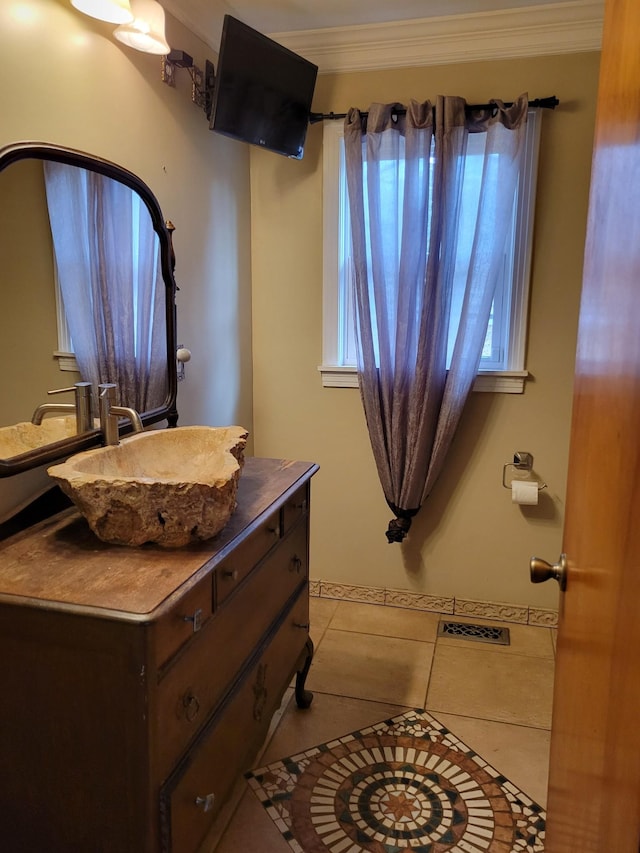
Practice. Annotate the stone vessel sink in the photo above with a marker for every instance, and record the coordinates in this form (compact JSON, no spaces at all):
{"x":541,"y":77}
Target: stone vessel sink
{"x":23,"y":437}
{"x":171,"y":486}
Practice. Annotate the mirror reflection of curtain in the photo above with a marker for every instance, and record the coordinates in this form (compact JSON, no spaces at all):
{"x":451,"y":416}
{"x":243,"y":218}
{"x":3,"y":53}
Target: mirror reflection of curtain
{"x":405,"y":176}
{"x":108,"y":263}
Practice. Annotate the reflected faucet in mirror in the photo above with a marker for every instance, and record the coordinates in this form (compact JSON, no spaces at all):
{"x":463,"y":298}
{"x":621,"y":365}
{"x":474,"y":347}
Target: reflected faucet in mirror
{"x":109,"y":414}
{"x":81,"y":407}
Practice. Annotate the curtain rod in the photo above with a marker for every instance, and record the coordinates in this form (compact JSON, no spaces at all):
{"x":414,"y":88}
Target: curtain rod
{"x":541,"y":103}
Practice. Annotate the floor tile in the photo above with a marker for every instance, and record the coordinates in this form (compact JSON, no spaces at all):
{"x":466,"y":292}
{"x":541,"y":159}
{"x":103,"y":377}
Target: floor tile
{"x":364,"y":666}
{"x":251,"y":830}
{"x":386,"y":621}
{"x":321,"y":612}
{"x":359,"y":792}
{"x":527,"y":640}
{"x":329,"y":717}
{"x":372,"y":662}
{"x":477,"y":683}
{"x":520,"y":752}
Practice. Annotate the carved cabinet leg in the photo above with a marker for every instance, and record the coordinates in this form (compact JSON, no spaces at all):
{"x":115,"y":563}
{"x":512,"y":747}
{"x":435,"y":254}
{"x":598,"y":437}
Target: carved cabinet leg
{"x":304,"y":697}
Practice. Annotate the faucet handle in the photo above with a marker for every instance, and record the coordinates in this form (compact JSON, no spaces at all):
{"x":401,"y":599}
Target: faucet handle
{"x":81,"y":388}
{"x":62,"y":390}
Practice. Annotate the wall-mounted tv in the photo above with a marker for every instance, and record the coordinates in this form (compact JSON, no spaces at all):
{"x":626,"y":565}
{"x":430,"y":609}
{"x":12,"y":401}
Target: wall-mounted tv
{"x":262,"y":91}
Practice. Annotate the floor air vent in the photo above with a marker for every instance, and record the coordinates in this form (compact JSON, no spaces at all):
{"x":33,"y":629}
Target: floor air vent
{"x":467,"y":631}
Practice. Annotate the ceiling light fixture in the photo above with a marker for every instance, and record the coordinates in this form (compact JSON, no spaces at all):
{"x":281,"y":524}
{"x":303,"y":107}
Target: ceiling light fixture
{"x":112,"y":11}
{"x":146,"y":31}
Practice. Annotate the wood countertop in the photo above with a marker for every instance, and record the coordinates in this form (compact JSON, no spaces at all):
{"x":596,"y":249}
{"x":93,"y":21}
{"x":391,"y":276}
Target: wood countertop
{"x":60,"y":563}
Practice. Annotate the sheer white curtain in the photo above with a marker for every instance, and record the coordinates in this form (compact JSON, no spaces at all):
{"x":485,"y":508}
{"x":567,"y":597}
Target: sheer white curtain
{"x":108,"y":263}
{"x":404,"y":175}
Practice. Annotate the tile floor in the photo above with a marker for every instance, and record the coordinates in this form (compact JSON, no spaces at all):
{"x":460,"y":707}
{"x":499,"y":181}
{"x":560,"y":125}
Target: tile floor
{"x":373,"y":662}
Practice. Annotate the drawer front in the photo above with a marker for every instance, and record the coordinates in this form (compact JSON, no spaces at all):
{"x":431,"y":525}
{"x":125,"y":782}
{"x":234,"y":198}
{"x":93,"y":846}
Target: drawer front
{"x":232,"y":571}
{"x":187,"y":618}
{"x":192,"y":799}
{"x":296,"y":507}
{"x":191,"y":689}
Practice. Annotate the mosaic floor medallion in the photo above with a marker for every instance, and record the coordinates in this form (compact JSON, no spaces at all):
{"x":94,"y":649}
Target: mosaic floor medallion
{"x":405,"y":784}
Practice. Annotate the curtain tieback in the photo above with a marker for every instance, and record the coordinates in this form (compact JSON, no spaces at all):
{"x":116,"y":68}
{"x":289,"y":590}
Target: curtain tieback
{"x":400,"y":525}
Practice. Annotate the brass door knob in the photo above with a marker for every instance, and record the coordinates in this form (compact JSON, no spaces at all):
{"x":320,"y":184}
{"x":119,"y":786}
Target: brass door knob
{"x":542,"y":571}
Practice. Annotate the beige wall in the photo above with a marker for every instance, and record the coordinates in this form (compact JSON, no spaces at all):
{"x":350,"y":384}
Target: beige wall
{"x":67,"y":81}
{"x":469,"y":541}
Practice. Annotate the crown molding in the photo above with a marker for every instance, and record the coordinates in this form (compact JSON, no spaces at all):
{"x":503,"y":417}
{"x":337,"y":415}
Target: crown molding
{"x":203,"y":19}
{"x":569,"y":27}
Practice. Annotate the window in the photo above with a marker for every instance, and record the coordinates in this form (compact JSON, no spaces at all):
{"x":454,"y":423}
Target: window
{"x":65,"y":354}
{"x":502,"y":364}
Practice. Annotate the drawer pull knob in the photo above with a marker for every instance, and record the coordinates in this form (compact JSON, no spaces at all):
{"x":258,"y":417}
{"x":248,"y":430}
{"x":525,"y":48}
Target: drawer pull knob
{"x":196,"y":619}
{"x":206,"y":802}
{"x":191,"y":706}
{"x":304,"y":625}
{"x":296,"y":564}
{"x":232,"y":574}
{"x":275,"y":530}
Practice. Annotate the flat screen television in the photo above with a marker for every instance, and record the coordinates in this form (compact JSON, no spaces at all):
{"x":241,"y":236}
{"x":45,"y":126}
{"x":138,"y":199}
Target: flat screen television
{"x":262,"y":91}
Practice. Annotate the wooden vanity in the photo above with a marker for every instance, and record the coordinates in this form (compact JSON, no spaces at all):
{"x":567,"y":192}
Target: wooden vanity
{"x":139,"y":683}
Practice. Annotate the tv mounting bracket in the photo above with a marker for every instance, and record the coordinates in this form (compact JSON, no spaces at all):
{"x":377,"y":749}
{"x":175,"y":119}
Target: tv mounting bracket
{"x":202,"y":82}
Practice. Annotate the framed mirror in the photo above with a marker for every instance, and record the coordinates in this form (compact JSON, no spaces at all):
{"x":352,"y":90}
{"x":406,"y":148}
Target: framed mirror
{"x":88,"y":296}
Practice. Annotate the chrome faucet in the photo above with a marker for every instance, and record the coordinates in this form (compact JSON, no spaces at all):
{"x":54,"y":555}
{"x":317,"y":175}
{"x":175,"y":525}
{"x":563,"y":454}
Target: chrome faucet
{"x":109,"y":413}
{"x":81,"y":407}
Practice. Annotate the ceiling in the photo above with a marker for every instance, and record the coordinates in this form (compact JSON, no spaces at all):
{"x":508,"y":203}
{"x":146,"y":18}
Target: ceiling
{"x":280,"y":16}
{"x":327,"y":31}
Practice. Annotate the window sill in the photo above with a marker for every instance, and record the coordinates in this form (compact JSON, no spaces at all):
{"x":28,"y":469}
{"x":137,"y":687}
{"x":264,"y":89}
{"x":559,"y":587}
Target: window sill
{"x":66,"y":361}
{"x":496,"y":381}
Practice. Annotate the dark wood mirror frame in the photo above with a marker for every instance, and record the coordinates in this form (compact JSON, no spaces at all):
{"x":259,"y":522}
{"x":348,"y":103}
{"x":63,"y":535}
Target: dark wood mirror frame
{"x":168,"y":411}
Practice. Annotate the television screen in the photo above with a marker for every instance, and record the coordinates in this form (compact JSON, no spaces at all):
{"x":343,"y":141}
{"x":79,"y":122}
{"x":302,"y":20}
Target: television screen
{"x":262,"y":92}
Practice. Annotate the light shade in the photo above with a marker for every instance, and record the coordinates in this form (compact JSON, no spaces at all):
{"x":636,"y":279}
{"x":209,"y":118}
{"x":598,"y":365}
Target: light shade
{"x":113,"y":11}
{"x":146,"y":31}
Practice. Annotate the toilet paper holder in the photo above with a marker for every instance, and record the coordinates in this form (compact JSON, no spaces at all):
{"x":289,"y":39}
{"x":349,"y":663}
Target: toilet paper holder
{"x":522,"y":461}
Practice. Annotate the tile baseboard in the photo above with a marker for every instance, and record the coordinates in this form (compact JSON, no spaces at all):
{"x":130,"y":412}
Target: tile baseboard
{"x":517,"y":613}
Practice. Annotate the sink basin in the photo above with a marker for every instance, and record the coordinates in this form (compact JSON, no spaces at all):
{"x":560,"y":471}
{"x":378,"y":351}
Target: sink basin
{"x":171,"y":486}
{"x":23,"y":437}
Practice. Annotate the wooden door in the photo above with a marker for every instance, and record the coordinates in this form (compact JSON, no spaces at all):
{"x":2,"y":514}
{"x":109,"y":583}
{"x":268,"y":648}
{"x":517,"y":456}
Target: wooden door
{"x":594,"y":782}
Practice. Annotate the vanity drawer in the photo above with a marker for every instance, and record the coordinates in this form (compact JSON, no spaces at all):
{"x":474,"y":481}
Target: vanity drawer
{"x":295,"y":508}
{"x":193,"y":797}
{"x":185,"y":619}
{"x":190,"y":690}
{"x":232,"y":571}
